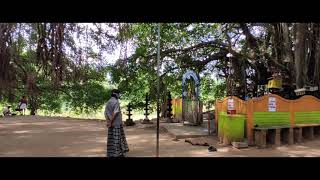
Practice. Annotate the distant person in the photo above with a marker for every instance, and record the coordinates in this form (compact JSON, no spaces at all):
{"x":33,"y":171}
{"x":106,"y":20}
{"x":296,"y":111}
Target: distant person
{"x":22,"y":106}
{"x":6,"y":111}
{"x":116,"y":144}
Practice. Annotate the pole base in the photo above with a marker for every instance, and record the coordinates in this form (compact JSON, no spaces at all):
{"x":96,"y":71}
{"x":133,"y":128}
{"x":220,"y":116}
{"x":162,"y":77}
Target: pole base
{"x":129,"y":123}
{"x":146,"y":121}
{"x":169,"y":120}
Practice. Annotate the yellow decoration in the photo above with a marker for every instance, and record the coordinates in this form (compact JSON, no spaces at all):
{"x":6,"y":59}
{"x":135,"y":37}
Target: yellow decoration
{"x":275,"y":83}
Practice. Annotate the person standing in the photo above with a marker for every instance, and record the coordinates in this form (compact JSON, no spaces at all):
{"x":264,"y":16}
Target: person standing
{"x":23,"y":104}
{"x":116,"y":144}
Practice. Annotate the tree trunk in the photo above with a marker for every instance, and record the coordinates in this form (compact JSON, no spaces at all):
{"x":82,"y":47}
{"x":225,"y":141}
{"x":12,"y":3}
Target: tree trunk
{"x":33,"y":105}
{"x":288,"y":53}
{"x":287,"y":43}
{"x":238,"y":77}
{"x":31,"y":88}
{"x":278,"y":42}
{"x":300,"y":54}
{"x":316,"y":72}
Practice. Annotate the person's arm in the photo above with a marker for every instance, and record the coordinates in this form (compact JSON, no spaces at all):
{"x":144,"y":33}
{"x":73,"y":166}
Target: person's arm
{"x":113,"y":118}
{"x":105,"y":113}
{"x":115,"y":113}
{"x":107,"y":116}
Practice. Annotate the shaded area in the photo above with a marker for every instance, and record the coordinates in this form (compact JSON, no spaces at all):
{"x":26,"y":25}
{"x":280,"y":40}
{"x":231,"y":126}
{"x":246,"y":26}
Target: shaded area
{"x":48,"y":137}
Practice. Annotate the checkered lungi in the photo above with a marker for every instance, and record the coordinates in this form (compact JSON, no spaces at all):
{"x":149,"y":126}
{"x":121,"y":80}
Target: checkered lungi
{"x":117,"y":144}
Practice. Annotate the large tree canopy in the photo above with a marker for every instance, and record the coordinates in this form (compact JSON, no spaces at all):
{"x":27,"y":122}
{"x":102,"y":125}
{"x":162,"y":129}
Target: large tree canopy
{"x":67,"y":62}
{"x":257,"y":50}
{"x":50,"y":62}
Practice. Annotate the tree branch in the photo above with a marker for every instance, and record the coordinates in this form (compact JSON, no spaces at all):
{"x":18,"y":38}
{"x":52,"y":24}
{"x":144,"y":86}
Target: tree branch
{"x":250,"y":39}
{"x":169,"y":51}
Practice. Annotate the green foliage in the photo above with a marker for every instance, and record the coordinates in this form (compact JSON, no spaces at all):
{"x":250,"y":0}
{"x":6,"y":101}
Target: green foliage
{"x":220,"y":90}
{"x":87,"y":97}
{"x":50,"y":102}
{"x":54,"y":69}
{"x":138,"y":75}
{"x":210,"y":91}
{"x":77,"y":79}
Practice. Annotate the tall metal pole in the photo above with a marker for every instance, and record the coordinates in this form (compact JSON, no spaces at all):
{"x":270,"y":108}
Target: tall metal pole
{"x":158,"y":90}
{"x":229,"y":81}
{"x":245,"y":82}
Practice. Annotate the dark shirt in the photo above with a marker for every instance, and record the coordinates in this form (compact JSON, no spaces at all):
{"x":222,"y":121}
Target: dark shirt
{"x":23,"y":101}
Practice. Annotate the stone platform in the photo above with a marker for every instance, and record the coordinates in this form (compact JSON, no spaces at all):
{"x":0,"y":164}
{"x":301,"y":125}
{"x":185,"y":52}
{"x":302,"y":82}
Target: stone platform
{"x":180,"y":131}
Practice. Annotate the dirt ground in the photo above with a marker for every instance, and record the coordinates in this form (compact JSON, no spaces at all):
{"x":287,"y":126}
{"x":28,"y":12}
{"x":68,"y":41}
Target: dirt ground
{"x":35,"y":136}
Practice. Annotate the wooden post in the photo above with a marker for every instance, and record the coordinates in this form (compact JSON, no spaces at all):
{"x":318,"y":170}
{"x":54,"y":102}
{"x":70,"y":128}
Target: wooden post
{"x":250,"y":122}
{"x":297,"y":134}
{"x":226,"y":140}
{"x":183,"y":111}
{"x":216,"y":111}
{"x":290,"y":140}
{"x":263,"y":138}
{"x":311,"y":133}
{"x":200,"y":115}
{"x":256,"y":138}
{"x":277,"y":137}
{"x":307,"y":133}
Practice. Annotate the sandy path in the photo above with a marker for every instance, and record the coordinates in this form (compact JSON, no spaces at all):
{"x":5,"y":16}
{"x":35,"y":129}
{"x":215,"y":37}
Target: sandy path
{"x":65,"y":137}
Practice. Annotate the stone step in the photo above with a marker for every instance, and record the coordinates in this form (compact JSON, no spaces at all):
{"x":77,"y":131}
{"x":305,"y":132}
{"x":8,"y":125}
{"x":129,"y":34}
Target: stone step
{"x":239,"y":145}
{"x":179,"y":131}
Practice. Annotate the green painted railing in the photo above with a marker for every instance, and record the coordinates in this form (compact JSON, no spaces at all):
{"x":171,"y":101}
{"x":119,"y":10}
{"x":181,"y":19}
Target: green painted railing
{"x":267,"y":119}
{"x":307,"y":117}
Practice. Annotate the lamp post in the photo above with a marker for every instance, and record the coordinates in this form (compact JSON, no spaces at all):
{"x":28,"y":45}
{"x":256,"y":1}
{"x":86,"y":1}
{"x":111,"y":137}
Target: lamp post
{"x":158,"y":90}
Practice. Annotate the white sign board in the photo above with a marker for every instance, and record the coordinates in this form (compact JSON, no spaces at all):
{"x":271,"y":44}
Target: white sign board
{"x":272,"y":104}
{"x":230,"y":104}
